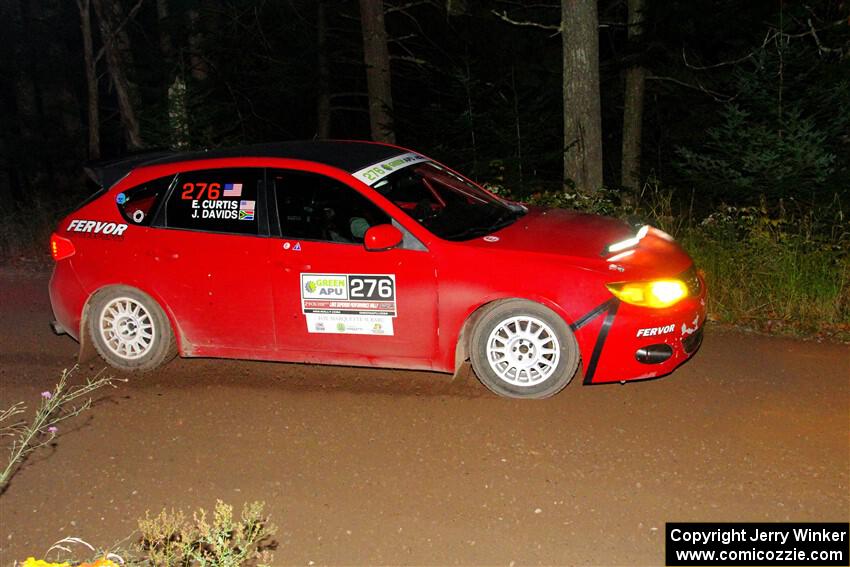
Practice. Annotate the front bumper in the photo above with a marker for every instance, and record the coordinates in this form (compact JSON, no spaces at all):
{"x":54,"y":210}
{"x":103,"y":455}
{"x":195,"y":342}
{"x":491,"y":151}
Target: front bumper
{"x":625,"y":342}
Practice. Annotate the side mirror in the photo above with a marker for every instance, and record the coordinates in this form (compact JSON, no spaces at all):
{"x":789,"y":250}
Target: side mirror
{"x":382,"y":237}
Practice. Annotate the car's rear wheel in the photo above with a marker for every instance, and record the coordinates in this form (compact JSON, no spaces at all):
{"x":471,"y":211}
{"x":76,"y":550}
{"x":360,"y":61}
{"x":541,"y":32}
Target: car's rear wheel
{"x":129,"y":330}
{"x":522,"y":349}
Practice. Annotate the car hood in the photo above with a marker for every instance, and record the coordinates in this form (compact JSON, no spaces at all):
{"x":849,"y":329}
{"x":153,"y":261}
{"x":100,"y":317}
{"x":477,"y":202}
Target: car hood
{"x":559,"y":231}
{"x":584,"y":238}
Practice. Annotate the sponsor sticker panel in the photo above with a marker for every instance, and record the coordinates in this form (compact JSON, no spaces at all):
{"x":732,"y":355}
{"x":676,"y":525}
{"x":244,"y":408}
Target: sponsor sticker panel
{"x":362,"y":304}
{"x":349,"y":324}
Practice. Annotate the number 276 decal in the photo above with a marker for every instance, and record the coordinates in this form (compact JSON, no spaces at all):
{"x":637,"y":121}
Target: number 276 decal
{"x":349,"y":293}
{"x":371,"y":287}
{"x":192,"y":191}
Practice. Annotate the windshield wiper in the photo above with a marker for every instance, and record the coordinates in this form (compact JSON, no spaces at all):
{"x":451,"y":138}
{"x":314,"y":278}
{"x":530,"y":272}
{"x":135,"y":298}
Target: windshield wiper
{"x":469,"y":233}
{"x":503,"y":220}
{"x":506,"y":219}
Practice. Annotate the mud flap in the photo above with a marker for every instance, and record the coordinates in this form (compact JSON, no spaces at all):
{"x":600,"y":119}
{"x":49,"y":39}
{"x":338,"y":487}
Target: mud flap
{"x":463,"y":372}
{"x":87,"y":351}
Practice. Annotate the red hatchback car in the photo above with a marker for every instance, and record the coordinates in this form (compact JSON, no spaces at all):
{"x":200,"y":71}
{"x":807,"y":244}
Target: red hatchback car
{"x":364,"y":254}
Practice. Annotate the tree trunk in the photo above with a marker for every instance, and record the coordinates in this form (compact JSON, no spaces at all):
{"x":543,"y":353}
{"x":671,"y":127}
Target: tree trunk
{"x":323,"y":106}
{"x":119,"y":78}
{"x":200,"y":69}
{"x":165,"y":44}
{"x":633,"y":105}
{"x":120,"y":23}
{"x":582,"y":113}
{"x":119,"y":31}
{"x":26,"y":173}
{"x":377,"y":58}
{"x":91,"y":79}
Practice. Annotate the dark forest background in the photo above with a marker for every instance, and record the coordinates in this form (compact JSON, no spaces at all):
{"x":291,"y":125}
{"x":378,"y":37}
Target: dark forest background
{"x":743,"y":119}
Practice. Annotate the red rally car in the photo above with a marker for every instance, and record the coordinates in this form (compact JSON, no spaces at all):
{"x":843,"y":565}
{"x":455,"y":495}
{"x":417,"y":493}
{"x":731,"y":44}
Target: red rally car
{"x":364,"y":254}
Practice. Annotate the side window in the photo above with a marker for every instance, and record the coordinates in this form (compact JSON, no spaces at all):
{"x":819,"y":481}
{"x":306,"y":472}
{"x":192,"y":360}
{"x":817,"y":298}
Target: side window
{"x":315,"y":207}
{"x":216,"y":200}
{"x":139,"y":204}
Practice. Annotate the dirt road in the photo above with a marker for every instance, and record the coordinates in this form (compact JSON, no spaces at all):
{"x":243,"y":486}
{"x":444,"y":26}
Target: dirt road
{"x":361,"y":466}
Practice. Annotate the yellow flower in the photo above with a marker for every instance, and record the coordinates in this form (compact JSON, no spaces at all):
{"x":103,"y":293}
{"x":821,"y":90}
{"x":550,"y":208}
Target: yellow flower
{"x":100,"y":563}
{"x":33,"y":562}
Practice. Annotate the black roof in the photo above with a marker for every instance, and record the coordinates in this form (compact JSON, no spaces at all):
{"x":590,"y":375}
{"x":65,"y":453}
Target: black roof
{"x":349,"y":156}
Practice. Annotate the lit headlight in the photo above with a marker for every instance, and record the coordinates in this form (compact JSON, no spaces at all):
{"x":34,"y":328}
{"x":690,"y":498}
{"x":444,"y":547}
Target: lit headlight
{"x":629,"y":242}
{"x":654,"y":293}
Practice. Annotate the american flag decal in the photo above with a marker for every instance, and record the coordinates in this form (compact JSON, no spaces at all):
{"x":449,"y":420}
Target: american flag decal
{"x":232,"y":189}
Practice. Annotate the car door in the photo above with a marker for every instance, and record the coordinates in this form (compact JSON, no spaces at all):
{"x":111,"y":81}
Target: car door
{"x":336,"y":302}
{"x":210,"y":254}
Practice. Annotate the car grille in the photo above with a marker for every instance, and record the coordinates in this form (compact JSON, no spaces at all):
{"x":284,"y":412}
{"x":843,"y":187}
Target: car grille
{"x":691,"y":280}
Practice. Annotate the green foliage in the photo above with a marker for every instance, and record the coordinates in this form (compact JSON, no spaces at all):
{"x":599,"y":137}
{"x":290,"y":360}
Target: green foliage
{"x":783,"y":134}
{"x":163,"y":537}
{"x":654,"y":204}
{"x":169,"y":539}
{"x":767,"y":273}
{"x":178,"y":119}
{"x":748,"y":156}
{"x":603,"y":202}
{"x":782,"y":271}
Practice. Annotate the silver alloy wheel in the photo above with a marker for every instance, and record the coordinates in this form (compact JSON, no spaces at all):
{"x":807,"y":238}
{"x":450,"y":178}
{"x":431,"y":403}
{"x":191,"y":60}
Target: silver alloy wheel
{"x":127,"y":328}
{"x":523,"y":351}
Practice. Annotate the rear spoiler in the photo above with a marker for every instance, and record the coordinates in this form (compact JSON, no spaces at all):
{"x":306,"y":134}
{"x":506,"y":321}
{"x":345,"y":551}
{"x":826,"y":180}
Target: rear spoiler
{"x":108,"y":173}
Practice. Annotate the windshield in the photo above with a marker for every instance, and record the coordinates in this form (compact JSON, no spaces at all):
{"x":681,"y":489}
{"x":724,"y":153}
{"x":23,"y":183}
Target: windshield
{"x":445,"y":203}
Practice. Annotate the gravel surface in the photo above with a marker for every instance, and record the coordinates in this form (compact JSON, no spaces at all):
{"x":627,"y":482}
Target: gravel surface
{"x":365,"y":466}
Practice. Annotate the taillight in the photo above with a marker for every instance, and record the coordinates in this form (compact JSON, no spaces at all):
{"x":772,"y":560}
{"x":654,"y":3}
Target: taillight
{"x":60,"y":247}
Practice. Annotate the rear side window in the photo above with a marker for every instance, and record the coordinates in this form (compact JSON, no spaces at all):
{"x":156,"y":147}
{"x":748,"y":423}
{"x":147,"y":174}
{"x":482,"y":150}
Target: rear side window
{"x":315,"y":207}
{"x":216,"y":200}
{"x":139,"y":204}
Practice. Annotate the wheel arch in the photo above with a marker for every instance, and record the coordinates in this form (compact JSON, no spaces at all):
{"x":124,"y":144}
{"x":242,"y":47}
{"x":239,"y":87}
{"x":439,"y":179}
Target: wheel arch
{"x":87,"y":349}
{"x":462,"y":355}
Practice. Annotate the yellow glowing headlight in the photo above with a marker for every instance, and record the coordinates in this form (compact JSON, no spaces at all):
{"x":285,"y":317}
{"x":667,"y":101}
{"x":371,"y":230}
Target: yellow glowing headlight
{"x":655,"y":293}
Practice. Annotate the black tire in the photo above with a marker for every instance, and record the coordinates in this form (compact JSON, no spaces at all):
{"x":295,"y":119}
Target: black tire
{"x":540,"y":380}
{"x":110,"y":327}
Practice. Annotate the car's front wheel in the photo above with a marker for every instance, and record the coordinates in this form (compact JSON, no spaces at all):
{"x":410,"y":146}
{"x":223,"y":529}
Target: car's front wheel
{"x":522,"y":349}
{"x":129,"y":330}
